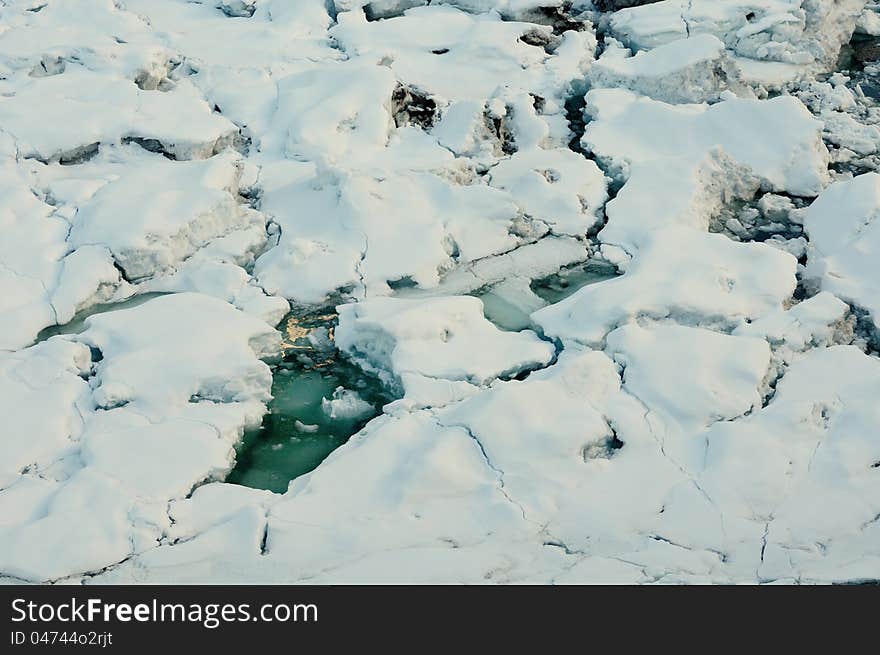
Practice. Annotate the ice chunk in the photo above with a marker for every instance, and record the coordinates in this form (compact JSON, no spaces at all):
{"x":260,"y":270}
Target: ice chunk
{"x":693,"y":277}
{"x":181,"y":207}
{"x":346,"y":404}
{"x":110,"y":109}
{"x":446,"y":338}
{"x":694,"y":157}
{"x":808,"y":34}
{"x":845,"y":241}
{"x":558,"y":187}
{"x":696,"y":69}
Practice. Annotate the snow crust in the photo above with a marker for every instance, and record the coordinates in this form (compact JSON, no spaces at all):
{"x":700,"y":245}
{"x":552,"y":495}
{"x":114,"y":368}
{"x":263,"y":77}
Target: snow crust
{"x":441,"y":182}
{"x":845,"y":240}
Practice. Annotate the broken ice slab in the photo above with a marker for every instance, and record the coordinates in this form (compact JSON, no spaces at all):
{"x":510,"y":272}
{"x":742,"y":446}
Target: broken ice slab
{"x":303,"y":425}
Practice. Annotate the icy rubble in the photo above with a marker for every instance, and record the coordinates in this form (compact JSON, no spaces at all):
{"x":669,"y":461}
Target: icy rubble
{"x":777,"y":39}
{"x":715,"y":281}
{"x":703,"y":411}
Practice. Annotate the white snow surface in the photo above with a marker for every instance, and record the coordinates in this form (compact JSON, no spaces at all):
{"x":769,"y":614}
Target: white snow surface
{"x":177,"y":175}
{"x":844,"y":228}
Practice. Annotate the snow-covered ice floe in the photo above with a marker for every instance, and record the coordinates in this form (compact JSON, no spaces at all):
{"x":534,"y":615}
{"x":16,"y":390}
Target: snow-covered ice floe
{"x":597,"y":281}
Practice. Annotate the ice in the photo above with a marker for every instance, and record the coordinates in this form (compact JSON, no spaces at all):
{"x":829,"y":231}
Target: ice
{"x":558,"y":187}
{"x":30,"y":254}
{"x":568,"y":292}
{"x":817,"y":321}
{"x":808,"y":34}
{"x":445,"y":338}
{"x":148,"y":362}
{"x":183,"y":205}
{"x":337,"y":232}
{"x":42,"y":394}
{"x":135,"y":411}
{"x":695,"y":69}
{"x":718,"y":380}
{"x":714,"y":280}
{"x":414,"y":43}
{"x":844,"y":239}
{"x":112,"y":110}
{"x":814,"y":477}
{"x":695,"y":157}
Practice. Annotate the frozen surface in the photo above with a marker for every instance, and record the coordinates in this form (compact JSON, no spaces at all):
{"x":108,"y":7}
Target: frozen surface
{"x":133,"y":412}
{"x":696,"y":69}
{"x":845,"y":241}
{"x":446,"y":339}
{"x":803,"y":33}
{"x":567,"y":292}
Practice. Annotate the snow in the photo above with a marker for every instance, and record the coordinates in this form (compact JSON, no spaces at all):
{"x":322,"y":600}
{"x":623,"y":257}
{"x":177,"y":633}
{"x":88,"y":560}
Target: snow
{"x":696,"y":69}
{"x":182,"y":206}
{"x":131,"y":413}
{"x":346,"y":404}
{"x":613,"y":265}
{"x":713,"y":280}
{"x":808,"y":34}
{"x":446,"y":338}
{"x":558,"y":186}
{"x":111,"y":110}
{"x":844,"y":241}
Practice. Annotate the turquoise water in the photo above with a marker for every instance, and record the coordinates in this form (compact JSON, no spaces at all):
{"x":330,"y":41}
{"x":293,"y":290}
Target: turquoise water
{"x":503,"y":313}
{"x":513,"y":316}
{"x":297,"y":434}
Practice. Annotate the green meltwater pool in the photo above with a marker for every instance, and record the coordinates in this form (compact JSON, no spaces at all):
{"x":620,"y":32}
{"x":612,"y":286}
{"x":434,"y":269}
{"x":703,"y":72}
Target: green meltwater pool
{"x":309,"y":416}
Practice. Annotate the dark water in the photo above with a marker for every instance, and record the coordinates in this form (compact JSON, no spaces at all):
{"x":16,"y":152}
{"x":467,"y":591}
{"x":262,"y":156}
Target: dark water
{"x":561,"y":285}
{"x":297,"y":434}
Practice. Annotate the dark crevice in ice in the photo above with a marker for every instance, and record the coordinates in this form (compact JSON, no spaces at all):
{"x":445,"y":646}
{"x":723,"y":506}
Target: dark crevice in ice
{"x":405,"y":282}
{"x":332,"y":12}
{"x":382,"y":9}
{"x":264,"y":539}
{"x":859,"y":63}
{"x":575,"y":113}
{"x":48,"y":66}
{"x":412,"y":107}
{"x":70,"y":157}
{"x":862,"y":50}
{"x":79,"y":155}
{"x":499,"y":127}
{"x":763,"y":217}
{"x":150,"y":145}
{"x":122,"y":274}
{"x":865,"y":332}
{"x":236,"y":8}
